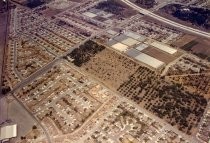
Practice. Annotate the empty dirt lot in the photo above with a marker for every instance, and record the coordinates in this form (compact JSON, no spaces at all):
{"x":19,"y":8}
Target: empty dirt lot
{"x":110,"y":67}
{"x":202,"y":47}
{"x":184,"y":40}
{"x":198,"y":46}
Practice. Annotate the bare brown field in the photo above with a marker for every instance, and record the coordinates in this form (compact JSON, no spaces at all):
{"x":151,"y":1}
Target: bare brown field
{"x":111,"y":68}
{"x":183,"y":40}
{"x":197,"y":46}
{"x":164,"y":57}
{"x":203,"y":47}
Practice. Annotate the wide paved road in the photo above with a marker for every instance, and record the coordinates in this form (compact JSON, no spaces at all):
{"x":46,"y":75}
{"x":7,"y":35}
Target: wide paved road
{"x":3,"y":38}
{"x":167,"y":21}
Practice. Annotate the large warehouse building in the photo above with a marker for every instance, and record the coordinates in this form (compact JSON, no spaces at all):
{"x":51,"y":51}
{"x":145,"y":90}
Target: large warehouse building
{"x":164,"y":47}
{"x":148,"y":60}
{"x":8,"y":132}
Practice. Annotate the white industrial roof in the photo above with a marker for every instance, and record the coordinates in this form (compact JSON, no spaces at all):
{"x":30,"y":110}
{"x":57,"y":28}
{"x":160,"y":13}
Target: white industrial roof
{"x":148,"y":60}
{"x":7,"y":132}
{"x":129,"y":42}
{"x":89,"y":14}
{"x":120,"y":47}
{"x":142,"y":47}
{"x":164,"y":47}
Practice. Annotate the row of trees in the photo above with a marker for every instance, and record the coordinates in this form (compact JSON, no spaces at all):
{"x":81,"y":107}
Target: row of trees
{"x":83,"y":54}
{"x":112,"y":6}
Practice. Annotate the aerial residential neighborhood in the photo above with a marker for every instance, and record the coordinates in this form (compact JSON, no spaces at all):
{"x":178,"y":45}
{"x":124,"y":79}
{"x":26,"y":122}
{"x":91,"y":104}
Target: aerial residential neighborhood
{"x":105,"y":71}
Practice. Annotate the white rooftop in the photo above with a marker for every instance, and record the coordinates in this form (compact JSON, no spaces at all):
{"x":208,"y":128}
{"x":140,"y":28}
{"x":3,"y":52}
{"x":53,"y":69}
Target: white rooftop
{"x":120,"y":47}
{"x":130,"y":42}
{"x":142,"y":46}
{"x":148,"y":60}
{"x":8,"y":132}
{"x":164,"y":47}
